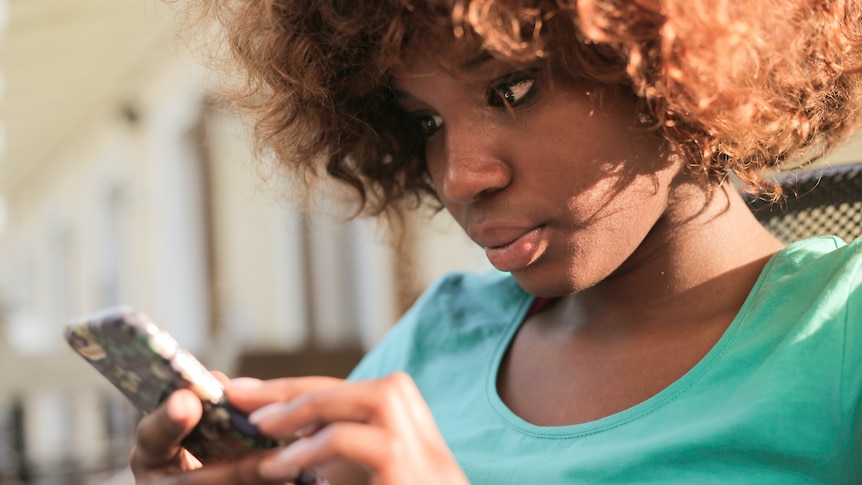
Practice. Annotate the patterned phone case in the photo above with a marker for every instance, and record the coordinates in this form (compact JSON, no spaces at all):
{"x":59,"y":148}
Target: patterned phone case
{"x":147,"y":365}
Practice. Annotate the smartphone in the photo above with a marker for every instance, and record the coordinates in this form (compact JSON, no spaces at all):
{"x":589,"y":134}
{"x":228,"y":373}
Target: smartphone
{"x":147,"y":365}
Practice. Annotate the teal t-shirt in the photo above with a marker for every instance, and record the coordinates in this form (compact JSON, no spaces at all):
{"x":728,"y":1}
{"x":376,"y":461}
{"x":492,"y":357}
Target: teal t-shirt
{"x":776,"y":401}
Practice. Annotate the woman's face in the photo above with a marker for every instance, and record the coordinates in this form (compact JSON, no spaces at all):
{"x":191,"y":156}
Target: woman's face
{"x":557,"y":183}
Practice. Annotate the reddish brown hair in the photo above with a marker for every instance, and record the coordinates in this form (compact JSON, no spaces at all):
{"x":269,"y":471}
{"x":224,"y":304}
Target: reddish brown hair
{"x":733,"y":85}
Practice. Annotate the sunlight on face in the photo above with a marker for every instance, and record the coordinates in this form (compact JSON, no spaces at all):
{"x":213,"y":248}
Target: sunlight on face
{"x":555,"y":181}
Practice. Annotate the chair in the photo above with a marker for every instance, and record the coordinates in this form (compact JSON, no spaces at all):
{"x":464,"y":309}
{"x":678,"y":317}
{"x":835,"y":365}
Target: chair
{"x":819,"y":201}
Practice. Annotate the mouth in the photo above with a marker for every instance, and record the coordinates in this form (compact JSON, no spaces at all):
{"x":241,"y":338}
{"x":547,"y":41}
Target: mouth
{"x":518,"y":252}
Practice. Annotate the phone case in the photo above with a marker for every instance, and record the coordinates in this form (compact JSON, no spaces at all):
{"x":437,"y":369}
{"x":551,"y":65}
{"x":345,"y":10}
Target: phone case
{"x":147,"y":365}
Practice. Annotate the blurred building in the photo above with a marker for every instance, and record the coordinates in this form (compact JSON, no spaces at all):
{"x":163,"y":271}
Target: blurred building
{"x":121,"y":183}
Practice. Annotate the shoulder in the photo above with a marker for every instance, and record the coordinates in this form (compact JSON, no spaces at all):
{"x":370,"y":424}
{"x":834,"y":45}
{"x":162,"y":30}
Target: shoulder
{"x":806,"y":306}
{"x":815,"y":284}
{"x":813,"y":290}
{"x":457,"y":294}
{"x":827,"y":263}
{"x":456,"y":312}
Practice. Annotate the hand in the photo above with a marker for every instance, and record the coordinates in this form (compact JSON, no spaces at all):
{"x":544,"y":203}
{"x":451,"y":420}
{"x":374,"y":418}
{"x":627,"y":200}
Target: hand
{"x":157,"y":449}
{"x":383,"y":425}
{"x":158,"y":458}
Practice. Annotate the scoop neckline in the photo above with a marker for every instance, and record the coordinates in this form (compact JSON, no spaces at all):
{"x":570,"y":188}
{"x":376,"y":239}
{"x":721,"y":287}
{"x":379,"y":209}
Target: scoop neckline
{"x":644,"y":408}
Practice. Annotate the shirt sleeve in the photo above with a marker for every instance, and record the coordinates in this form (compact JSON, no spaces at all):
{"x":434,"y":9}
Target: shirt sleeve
{"x":395,"y":351}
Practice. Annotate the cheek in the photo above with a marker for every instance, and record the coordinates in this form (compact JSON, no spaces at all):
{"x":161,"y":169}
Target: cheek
{"x":457,"y":212}
{"x":434,"y":165}
{"x":621,"y":195}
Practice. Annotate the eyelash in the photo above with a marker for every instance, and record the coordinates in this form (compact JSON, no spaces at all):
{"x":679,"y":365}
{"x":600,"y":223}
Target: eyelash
{"x":511,"y":92}
{"x":428,"y":124}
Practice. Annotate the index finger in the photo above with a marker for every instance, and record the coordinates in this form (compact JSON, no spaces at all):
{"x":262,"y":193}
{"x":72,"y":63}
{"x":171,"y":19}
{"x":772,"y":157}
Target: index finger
{"x":161,"y":432}
{"x":250,"y":394}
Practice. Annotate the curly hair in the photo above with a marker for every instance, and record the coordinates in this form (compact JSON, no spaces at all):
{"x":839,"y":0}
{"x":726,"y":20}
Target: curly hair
{"x":732,"y":85}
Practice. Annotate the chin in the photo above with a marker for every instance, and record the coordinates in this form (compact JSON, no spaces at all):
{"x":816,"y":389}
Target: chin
{"x":545,"y":284}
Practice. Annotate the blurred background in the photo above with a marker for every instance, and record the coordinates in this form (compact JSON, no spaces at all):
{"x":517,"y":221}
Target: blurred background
{"x":122,"y":182}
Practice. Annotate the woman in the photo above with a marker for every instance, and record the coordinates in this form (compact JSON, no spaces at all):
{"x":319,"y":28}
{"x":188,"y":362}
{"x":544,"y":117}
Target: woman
{"x":644,"y":327}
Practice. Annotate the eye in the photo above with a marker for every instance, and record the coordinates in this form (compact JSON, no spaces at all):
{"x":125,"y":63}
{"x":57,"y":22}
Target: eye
{"x":428,"y":124}
{"x":512,"y":91}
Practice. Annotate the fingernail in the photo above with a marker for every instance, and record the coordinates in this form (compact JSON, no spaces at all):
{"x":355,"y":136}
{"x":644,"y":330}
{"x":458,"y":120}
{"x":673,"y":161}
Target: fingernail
{"x":280,"y":466}
{"x":182,"y":406}
{"x":307,"y":430}
{"x":242,"y":383}
{"x":262,"y":413}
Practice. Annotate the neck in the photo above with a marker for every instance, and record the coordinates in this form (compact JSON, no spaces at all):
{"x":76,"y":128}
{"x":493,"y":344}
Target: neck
{"x":698,"y":263}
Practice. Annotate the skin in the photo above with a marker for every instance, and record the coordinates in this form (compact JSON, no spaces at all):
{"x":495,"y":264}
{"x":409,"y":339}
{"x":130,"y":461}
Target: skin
{"x":628,"y":242}
{"x":648,"y":268}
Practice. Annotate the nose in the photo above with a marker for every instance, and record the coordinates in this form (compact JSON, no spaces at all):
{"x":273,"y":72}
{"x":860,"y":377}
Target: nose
{"x":471,"y":172}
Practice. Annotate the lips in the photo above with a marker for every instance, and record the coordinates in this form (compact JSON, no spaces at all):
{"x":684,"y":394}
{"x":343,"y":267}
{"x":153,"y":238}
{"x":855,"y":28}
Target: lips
{"x":512,"y":249}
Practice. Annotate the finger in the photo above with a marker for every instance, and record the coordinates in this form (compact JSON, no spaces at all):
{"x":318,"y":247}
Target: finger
{"x":243,"y":472}
{"x":391,"y":401}
{"x":249,"y":394}
{"x":413,"y":404}
{"x":221,"y":377}
{"x":160,"y":433}
{"x":348,"y":402}
{"x":359,"y":443}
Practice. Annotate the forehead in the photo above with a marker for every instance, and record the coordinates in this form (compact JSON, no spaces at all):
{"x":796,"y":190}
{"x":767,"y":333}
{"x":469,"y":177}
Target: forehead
{"x":465,"y":64}
{"x":443,"y":52}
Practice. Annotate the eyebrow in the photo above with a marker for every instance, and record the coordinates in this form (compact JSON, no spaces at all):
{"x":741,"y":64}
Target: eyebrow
{"x":467,"y":66}
{"x":475,"y":62}
{"x":401,"y":95}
